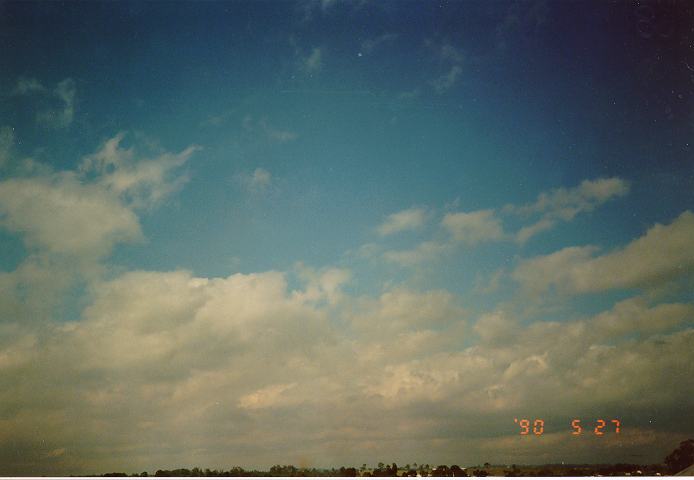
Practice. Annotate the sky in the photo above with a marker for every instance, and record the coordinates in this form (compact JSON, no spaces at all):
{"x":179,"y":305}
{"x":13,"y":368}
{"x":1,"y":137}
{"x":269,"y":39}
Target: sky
{"x":329,"y":233}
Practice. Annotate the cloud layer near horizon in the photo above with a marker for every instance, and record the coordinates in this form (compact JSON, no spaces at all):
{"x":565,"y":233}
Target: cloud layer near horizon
{"x":167,"y":368}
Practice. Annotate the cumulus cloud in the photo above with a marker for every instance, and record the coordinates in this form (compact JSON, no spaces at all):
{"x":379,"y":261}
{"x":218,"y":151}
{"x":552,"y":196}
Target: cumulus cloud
{"x":662,"y":254}
{"x":634,"y":315}
{"x":401,"y":309}
{"x":171,"y":340}
{"x":404,"y":220}
{"x":472,"y":228}
{"x":220,"y":366}
{"x":495,"y":327}
{"x":563,"y":204}
{"x":322,"y":285}
{"x":181,"y":369}
{"x":69,"y":223}
{"x":60,"y":214}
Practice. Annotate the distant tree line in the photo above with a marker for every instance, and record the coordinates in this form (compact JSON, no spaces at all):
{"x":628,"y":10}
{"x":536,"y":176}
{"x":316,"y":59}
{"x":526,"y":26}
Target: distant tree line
{"x":681,"y":458}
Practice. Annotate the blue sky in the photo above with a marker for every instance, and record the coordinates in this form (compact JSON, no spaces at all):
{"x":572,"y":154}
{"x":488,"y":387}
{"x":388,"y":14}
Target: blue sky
{"x":312,"y":210}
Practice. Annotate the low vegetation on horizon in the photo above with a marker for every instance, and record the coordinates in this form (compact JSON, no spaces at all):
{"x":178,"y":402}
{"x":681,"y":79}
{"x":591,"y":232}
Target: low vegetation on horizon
{"x":678,"y":460}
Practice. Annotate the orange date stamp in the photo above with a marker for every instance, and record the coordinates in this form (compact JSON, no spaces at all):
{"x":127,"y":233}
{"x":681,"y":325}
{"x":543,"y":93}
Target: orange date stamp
{"x":599,"y":428}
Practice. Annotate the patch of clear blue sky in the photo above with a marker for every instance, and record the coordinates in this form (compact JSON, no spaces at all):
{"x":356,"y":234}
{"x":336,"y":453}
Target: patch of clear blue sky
{"x":542,"y":101}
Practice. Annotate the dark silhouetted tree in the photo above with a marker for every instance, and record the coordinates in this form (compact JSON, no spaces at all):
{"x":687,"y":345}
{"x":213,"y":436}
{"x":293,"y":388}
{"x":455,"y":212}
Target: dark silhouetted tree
{"x":681,"y":457}
{"x":456,"y":471}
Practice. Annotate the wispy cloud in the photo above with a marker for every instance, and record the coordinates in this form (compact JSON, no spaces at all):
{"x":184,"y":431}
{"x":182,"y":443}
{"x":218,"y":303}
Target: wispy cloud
{"x":404,"y":220}
{"x":257,"y":181}
{"x":452,"y":58}
{"x":313,"y":62}
{"x":262,"y":126}
{"x":522,"y":20}
{"x":424,"y":252}
{"x":143,"y":181}
{"x":370,"y":44}
{"x":27,"y":86}
{"x":64,"y":94}
{"x":448,"y":80}
{"x":563,"y":204}
{"x":469,"y":229}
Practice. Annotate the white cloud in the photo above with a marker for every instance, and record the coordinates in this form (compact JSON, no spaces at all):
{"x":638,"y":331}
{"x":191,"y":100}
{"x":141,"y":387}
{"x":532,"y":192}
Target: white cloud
{"x":81,"y":216}
{"x":662,"y":254}
{"x":64,"y":216}
{"x":144,"y":182}
{"x":525,"y":233}
{"x":467,"y":228}
{"x":538,"y":274}
{"x":325,"y":284}
{"x":477,"y":227}
{"x":400,"y":310}
{"x":404,"y":220}
{"x":217,"y":364}
{"x":472,"y":228}
{"x":634,"y":315}
{"x":425,"y":251}
{"x":564,"y":204}
{"x":495,"y":327}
